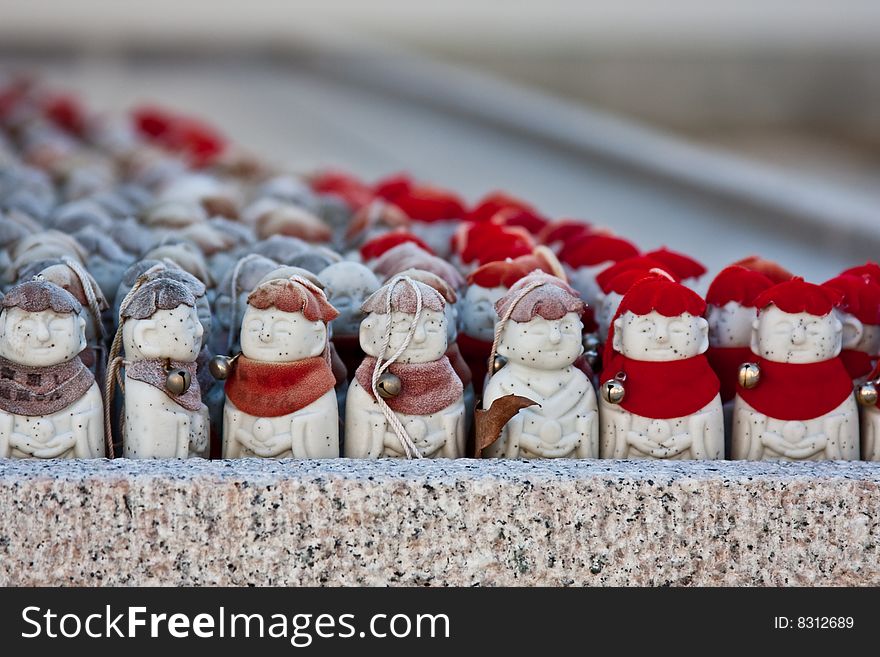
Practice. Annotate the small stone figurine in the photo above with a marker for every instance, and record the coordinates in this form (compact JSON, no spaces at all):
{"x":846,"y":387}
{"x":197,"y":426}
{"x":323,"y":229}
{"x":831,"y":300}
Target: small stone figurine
{"x":280,"y":399}
{"x":659,"y":396}
{"x":50,"y":405}
{"x":795,"y":400}
{"x":538,"y":342}
{"x":160,"y":331}
{"x":348,"y":284}
{"x":860,"y":301}
{"x":405,"y":400}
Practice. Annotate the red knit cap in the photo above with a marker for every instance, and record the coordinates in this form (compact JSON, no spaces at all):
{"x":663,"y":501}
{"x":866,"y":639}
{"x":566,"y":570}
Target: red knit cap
{"x":378,"y":245}
{"x":861,"y":297}
{"x":420,"y":202}
{"x":770,"y":269}
{"x":487,"y":242}
{"x":356,"y":193}
{"x":501,"y":273}
{"x":625,"y":280}
{"x":659,"y":293}
{"x":678,"y":264}
{"x":604,"y":277}
{"x":798,"y":296}
{"x":528,"y":219}
{"x":871,"y":269}
{"x":736,"y":283}
{"x":489,"y":205}
{"x":564,"y":230}
{"x":588,"y":250}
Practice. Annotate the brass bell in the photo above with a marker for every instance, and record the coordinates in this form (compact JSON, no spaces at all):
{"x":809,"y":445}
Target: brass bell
{"x":592,"y":357}
{"x":749,"y":375}
{"x":498,"y":363}
{"x":388,"y":385}
{"x":591,"y":342}
{"x":613,"y":391}
{"x":177,"y":382}
{"x":866,"y":394}
{"x":220,"y":367}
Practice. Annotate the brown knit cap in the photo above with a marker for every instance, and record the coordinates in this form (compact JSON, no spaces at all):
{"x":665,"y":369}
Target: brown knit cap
{"x":291,"y":296}
{"x":157,"y":294}
{"x":35,"y":296}
{"x":403,"y":299}
{"x":552,"y":299}
{"x":435,"y":281}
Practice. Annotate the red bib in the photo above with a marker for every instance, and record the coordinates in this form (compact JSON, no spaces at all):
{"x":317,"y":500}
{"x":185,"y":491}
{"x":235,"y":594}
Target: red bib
{"x":725,"y":361}
{"x":667,"y":389}
{"x":798,"y":392}
{"x":273,"y":389}
{"x":857,"y":363}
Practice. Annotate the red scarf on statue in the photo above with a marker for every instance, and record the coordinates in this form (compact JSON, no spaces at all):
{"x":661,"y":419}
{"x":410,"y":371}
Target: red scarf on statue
{"x":857,"y":363}
{"x":798,"y":392}
{"x":426,"y":388}
{"x":725,"y":361}
{"x":476,"y":355}
{"x":272,"y":389}
{"x":666,"y":389}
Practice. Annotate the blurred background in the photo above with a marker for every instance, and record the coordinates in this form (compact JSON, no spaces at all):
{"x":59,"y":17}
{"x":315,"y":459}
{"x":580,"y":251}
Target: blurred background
{"x":722,"y":127}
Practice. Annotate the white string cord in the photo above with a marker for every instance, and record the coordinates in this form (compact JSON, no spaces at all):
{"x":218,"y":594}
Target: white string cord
{"x":409,"y":447}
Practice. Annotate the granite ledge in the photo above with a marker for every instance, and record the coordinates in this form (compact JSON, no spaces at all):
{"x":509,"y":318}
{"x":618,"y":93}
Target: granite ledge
{"x":462,"y":522}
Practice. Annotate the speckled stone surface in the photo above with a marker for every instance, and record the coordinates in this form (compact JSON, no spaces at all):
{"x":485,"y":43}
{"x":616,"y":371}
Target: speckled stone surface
{"x":344,"y":522}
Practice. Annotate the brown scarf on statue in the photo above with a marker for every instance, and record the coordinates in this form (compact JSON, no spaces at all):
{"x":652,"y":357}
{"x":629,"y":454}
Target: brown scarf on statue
{"x":153,"y":372}
{"x":35,"y":391}
{"x":426,"y":388}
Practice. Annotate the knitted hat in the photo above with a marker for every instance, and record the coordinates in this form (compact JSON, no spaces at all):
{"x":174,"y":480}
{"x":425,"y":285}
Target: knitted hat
{"x":488,"y":206}
{"x":403,"y":299}
{"x":35,"y":296}
{"x":293,"y":296}
{"x":564,"y":230}
{"x":644,"y":263}
{"x":588,"y":250}
{"x":421,"y":202}
{"x":353,"y":191}
{"x":551,"y":299}
{"x":738,"y":284}
{"x":678,"y":264}
{"x":378,"y":245}
{"x":861,"y":297}
{"x":798,"y":296}
{"x":770,"y":269}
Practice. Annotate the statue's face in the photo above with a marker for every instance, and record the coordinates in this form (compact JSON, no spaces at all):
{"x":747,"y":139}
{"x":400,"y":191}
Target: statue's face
{"x":428,"y":341}
{"x":543,"y":344}
{"x":348,"y":285}
{"x":275,"y":336}
{"x":730,"y":325}
{"x":796,"y":337}
{"x":656,"y":338}
{"x":42,"y":338}
{"x":867,"y":340}
{"x":175,"y":334}
{"x":478,"y":314}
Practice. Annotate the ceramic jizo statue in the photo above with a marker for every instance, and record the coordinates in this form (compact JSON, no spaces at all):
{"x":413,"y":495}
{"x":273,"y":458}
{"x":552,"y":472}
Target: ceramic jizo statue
{"x":280,"y":398}
{"x":164,"y":416}
{"x":50,"y":405}
{"x":659,"y":396}
{"x":406,"y":399}
{"x":795,"y":400}
{"x":539,"y":340}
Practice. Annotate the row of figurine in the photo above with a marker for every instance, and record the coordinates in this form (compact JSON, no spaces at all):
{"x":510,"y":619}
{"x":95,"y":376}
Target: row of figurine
{"x":168,"y":295}
{"x":659,"y":394}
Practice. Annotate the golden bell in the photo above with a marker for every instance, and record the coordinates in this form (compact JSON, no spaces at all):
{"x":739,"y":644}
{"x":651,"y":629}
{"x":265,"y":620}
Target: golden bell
{"x":220,"y":367}
{"x":498,"y":363}
{"x":591,"y":342}
{"x":388,"y":385}
{"x":749,"y":375}
{"x":177,"y":382}
{"x":613,"y":391}
{"x":592,"y":357}
{"x":866,"y":394}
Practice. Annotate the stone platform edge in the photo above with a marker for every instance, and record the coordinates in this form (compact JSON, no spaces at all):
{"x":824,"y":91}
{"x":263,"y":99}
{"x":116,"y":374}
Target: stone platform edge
{"x":459,"y":523}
